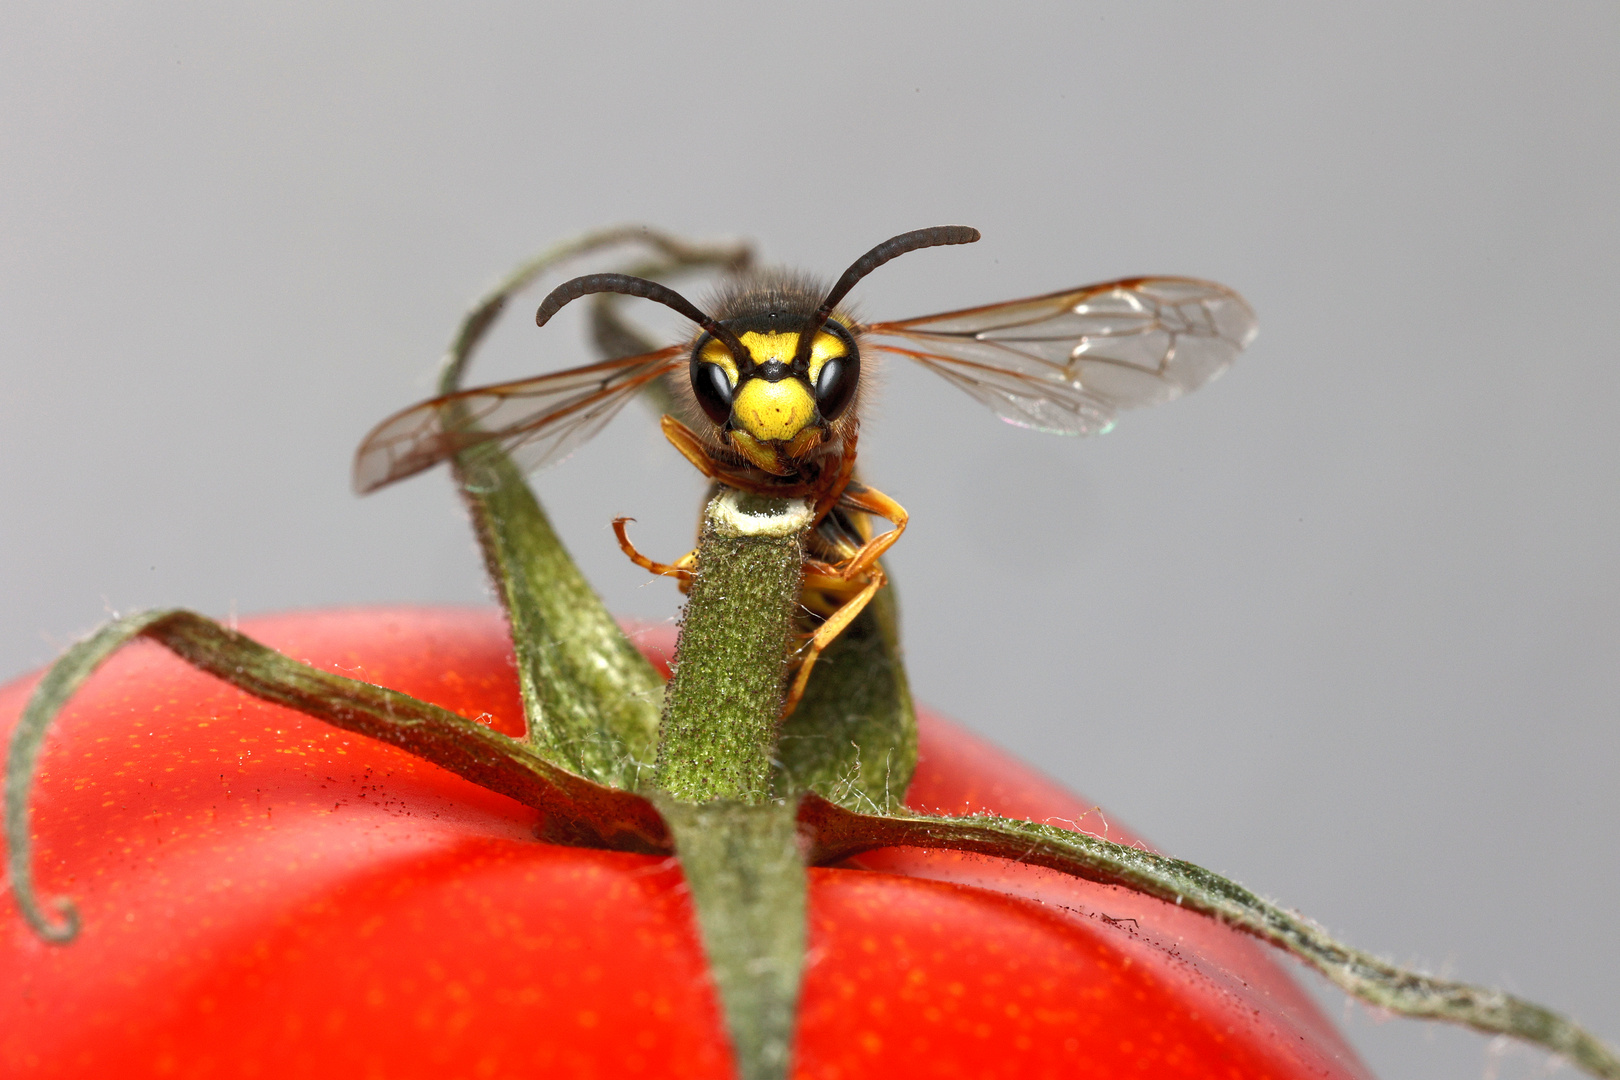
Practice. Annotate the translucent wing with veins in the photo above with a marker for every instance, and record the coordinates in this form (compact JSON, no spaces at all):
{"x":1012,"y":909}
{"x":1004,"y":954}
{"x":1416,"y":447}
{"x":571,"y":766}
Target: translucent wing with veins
{"x":1065,"y":362}
{"x":538,"y":421}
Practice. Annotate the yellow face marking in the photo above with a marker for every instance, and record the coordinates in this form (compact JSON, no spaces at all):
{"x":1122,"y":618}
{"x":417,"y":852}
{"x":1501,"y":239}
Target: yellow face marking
{"x":716,"y":353}
{"x":773,"y":411}
{"x":765,"y":347}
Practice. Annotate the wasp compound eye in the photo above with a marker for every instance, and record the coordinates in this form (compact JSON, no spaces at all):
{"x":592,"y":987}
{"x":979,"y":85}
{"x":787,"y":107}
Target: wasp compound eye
{"x":835,"y":385}
{"x":712,"y":388}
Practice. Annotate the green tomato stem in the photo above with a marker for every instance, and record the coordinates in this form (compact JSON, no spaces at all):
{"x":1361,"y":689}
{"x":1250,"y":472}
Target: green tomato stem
{"x":746,"y":871}
{"x":723,"y":706}
{"x":716,"y":746}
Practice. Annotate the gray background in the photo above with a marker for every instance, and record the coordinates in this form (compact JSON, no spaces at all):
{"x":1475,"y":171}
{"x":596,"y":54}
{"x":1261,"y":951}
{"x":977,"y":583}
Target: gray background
{"x":1344,"y":624}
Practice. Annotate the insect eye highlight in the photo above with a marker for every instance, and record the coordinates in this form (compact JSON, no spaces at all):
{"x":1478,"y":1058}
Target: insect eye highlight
{"x":835,"y":385}
{"x":712,"y":388}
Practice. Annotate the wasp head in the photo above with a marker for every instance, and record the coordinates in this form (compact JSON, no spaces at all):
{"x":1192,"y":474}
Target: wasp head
{"x":776,"y":402}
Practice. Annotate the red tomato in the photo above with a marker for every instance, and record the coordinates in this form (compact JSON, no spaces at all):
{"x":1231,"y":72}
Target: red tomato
{"x":266,"y":896}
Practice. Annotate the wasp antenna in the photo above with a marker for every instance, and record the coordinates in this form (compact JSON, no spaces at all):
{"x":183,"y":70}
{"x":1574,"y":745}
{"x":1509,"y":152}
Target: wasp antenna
{"x":894,"y":247}
{"x":647,"y":290}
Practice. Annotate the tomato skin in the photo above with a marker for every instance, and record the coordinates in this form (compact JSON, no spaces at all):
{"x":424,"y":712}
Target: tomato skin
{"x":264,"y":895}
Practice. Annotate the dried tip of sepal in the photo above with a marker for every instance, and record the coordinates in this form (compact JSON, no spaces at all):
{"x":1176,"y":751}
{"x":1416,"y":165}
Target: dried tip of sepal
{"x":740,"y":515}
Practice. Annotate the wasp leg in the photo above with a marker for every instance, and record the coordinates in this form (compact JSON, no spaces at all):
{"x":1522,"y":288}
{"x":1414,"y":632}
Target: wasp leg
{"x":860,"y":567}
{"x":691,"y":447}
{"x":871,"y":501}
{"x":829,"y":630}
{"x":683,"y":568}
{"x":841,"y":480}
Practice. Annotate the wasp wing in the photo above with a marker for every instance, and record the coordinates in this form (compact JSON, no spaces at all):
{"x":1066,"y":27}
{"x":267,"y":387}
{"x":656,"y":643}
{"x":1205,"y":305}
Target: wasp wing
{"x":1067,"y":361}
{"x":537,"y":421}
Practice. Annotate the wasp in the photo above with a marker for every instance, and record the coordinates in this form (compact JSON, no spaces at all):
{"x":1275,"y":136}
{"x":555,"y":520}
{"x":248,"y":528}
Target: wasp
{"x":771,"y":398}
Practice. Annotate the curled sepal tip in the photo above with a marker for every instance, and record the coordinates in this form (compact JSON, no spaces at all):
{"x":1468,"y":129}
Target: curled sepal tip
{"x":57,"y":933}
{"x":27,"y":740}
